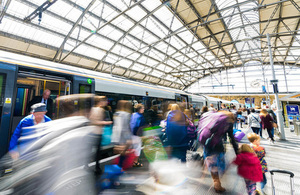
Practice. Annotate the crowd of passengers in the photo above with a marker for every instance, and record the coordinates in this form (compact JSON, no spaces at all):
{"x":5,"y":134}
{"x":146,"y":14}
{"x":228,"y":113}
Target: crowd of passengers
{"x":124,"y":129}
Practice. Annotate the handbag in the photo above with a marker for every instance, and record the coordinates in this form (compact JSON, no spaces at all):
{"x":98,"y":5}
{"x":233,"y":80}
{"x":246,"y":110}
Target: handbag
{"x":106,"y":135}
{"x":275,"y":125}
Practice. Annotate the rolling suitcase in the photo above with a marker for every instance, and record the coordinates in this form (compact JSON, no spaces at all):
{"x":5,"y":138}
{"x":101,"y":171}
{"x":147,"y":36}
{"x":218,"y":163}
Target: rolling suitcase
{"x":283,"y":172}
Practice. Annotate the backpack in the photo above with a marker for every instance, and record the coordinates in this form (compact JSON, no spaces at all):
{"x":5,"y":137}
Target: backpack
{"x":213,"y":126}
{"x":191,"y":129}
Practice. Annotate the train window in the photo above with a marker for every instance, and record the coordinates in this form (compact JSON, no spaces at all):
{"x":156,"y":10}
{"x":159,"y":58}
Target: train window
{"x":85,"y":88}
{"x":2,"y":90}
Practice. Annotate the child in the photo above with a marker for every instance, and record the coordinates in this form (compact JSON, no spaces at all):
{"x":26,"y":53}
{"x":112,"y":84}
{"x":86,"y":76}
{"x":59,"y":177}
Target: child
{"x":249,"y":168}
{"x":260,"y":152}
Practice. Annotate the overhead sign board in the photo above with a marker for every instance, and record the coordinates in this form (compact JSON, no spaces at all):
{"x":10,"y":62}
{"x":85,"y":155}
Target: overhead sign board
{"x":292,"y":109}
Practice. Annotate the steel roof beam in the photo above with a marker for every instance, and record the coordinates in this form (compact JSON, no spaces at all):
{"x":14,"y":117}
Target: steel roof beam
{"x":205,"y":26}
{"x":56,"y":33}
{"x":4,"y":10}
{"x":64,"y":19}
{"x":116,"y":9}
{"x":73,"y":28}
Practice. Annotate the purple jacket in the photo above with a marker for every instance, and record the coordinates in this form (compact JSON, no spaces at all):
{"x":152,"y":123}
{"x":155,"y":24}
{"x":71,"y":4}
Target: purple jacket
{"x":266,"y":122}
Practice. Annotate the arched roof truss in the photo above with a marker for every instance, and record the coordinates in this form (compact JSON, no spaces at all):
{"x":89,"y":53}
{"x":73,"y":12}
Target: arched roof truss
{"x":173,"y":43}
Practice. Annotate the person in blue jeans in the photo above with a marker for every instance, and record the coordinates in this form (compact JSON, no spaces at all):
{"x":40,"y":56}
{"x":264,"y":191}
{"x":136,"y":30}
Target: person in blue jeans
{"x":254,"y":122}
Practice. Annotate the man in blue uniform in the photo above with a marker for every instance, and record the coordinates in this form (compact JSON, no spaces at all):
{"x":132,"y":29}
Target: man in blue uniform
{"x":38,"y":116}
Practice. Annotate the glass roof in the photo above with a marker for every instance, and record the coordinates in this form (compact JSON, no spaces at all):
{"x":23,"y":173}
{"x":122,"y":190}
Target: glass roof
{"x":174,"y":43}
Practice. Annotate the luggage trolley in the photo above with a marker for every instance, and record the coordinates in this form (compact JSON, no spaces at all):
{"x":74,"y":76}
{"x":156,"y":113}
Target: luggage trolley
{"x":284,"y":172}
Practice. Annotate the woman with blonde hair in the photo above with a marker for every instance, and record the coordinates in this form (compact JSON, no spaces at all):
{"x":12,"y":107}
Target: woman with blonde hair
{"x":121,"y":135}
{"x":176,"y":131}
{"x":267,"y":123}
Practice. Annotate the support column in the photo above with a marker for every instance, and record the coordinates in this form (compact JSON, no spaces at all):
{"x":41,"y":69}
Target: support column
{"x":275,"y":87}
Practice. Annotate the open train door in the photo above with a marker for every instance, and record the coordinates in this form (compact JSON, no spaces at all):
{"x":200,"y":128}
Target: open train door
{"x":7,"y":89}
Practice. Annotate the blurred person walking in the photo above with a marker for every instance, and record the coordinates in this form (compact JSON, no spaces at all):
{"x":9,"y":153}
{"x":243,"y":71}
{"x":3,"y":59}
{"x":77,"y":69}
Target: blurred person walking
{"x":249,"y":168}
{"x":176,"y":132}
{"x":122,"y":136}
{"x":38,"y":116}
{"x":261,"y":153}
{"x":97,"y":117}
{"x":137,"y":122}
{"x":254,"y":122}
{"x":267,"y":123}
{"x":212,"y":128}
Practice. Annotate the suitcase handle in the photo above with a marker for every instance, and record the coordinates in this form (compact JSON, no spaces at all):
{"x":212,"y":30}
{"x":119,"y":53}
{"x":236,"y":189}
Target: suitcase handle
{"x":282,"y":171}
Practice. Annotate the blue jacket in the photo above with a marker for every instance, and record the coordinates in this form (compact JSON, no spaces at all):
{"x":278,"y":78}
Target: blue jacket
{"x":176,"y":129}
{"x":22,"y":131}
{"x":137,"y":121}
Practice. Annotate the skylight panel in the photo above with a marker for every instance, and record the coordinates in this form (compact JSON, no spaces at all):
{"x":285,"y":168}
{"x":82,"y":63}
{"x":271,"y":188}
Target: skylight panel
{"x":73,"y":14}
{"x":80,"y":33}
{"x":156,"y":73}
{"x":133,"y":56}
{"x":187,"y":36}
{"x":123,"y":23}
{"x":177,"y":25}
{"x":111,"y":32}
{"x":19,"y":9}
{"x":61,"y":8}
{"x":101,"y":42}
{"x":136,"y":13}
{"x":151,"y":5}
{"x":173,"y":63}
{"x":164,"y":15}
{"x":137,"y":67}
{"x":157,"y":55}
{"x":133,"y":43}
{"x":121,"y":5}
{"x":82,"y":3}
{"x":93,"y":52}
{"x":37,"y":2}
{"x":108,"y":13}
{"x":90,"y":22}
{"x":198,"y":45}
{"x":69,"y":45}
{"x":175,"y":42}
{"x":155,"y":27}
{"x":138,"y":32}
{"x":189,"y":63}
{"x":149,"y":38}
{"x":111,"y":58}
{"x":124,"y":63}
{"x":55,"y":24}
{"x":143,"y":59}
{"x":151,"y":62}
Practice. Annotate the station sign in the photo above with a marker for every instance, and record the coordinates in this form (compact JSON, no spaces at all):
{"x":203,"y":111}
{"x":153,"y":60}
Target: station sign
{"x":292,"y":109}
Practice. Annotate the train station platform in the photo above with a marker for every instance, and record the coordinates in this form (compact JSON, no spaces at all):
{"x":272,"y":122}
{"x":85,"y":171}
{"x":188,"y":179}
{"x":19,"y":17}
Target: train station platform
{"x":284,"y":155}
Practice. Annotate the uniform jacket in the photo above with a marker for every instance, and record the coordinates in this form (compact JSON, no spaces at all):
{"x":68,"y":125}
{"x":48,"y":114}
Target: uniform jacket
{"x":249,"y":166}
{"x":23,"y":130}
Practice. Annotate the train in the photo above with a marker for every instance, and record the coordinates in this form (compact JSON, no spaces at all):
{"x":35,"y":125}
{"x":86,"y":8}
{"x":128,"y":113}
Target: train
{"x":23,"y":77}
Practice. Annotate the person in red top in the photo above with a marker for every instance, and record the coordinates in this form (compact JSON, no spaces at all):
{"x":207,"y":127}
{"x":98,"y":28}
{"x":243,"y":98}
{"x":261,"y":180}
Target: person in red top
{"x":267,"y":123}
{"x":249,"y":168}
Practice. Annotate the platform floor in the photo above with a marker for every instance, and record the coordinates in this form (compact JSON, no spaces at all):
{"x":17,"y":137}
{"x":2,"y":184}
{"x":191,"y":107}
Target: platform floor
{"x":283,"y":155}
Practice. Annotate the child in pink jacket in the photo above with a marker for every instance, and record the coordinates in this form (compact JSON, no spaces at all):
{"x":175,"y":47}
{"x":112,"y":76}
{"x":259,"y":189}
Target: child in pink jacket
{"x":249,"y":168}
